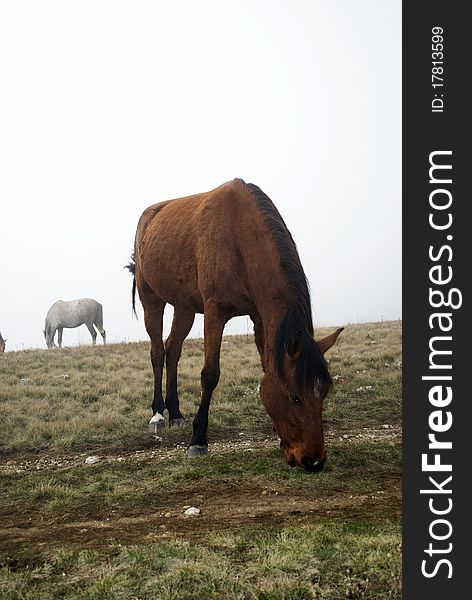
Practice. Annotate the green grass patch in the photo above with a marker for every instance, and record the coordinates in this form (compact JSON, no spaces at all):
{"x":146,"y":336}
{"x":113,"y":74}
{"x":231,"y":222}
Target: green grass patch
{"x":329,"y":560}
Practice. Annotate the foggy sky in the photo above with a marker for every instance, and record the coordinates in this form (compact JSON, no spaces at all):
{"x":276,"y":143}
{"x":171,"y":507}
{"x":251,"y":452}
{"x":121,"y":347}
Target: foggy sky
{"x":108,"y":107}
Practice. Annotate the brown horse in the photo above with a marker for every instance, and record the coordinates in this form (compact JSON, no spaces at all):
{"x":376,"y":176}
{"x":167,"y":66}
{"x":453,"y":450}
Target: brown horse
{"x":227,"y":253}
{"x":2,"y":344}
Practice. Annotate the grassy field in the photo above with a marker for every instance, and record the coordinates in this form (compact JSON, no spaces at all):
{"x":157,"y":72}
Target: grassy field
{"x":117,"y":529}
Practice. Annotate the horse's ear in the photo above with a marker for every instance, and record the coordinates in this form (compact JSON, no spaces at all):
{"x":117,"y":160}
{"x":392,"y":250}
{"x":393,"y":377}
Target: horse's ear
{"x":327,"y":342}
{"x":295,"y":347}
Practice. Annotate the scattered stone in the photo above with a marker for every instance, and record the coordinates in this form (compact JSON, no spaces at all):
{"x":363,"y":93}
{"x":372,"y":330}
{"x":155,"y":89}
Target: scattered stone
{"x":25,"y":380}
{"x":386,"y":426}
{"x":193,"y":511}
{"x":61,"y":376}
{"x":91,"y":460}
{"x":364,"y":388}
{"x":168,"y":514}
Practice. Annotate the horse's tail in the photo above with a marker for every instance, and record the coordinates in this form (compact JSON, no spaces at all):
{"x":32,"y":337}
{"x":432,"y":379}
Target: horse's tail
{"x":131,"y":266}
{"x":99,"y":317}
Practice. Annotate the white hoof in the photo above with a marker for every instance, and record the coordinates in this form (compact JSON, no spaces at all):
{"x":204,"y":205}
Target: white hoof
{"x":156,"y":423}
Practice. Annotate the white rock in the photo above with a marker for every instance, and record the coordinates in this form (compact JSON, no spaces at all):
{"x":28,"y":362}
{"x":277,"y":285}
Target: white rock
{"x":364,"y":388}
{"x":91,"y":460}
{"x":193,"y":511}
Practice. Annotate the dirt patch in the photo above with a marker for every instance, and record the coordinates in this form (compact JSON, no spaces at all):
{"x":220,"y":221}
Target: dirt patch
{"x":25,"y":537}
{"x":28,"y":536}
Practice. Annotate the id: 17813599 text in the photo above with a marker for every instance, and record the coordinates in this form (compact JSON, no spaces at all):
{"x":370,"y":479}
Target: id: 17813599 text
{"x":437,"y":69}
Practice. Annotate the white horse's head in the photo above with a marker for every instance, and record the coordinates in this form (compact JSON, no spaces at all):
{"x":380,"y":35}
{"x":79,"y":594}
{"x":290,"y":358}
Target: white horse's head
{"x":49,"y":336}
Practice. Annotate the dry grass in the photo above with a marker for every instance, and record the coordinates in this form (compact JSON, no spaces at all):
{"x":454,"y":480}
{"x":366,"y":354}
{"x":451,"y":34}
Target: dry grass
{"x":78,"y":397}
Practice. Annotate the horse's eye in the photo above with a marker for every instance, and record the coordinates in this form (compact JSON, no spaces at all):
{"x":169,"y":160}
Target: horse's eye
{"x":294,"y":398}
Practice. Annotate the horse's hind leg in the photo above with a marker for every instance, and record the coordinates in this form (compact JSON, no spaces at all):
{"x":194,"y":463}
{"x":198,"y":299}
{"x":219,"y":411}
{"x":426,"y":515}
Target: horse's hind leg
{"x":102,"y":332}
{"x":99,"y":324}
{"x":93,"y":333}
{"x":181,"y":325}
{"x":153,"y":315}
{"x":215,"y":321}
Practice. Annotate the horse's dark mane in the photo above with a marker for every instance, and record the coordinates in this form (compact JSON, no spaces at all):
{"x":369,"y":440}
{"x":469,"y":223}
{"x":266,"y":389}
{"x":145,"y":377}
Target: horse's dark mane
{"x":297,"y":323}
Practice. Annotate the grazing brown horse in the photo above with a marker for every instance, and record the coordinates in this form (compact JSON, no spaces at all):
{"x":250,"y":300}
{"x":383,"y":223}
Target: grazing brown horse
{"x":227,"y":253}
{"x":2,"y":344}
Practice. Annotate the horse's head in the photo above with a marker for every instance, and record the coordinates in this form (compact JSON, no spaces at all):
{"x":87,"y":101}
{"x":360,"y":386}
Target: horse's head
{"x":49,"y":337}
{"x":297,"y":411}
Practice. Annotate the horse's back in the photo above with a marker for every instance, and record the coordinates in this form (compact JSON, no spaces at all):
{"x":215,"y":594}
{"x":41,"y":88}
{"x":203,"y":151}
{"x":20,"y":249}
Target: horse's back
{"x":187,"y":246}
{"x":186,"y":214}
{"x":73,"y":313}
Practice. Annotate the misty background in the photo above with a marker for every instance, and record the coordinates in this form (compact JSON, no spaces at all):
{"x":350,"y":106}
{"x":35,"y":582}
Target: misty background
{"x":107,"y":107}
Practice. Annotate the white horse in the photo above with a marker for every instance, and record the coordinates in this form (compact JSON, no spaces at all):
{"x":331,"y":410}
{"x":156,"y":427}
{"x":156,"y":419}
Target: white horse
{"x":2,"y":344}
{"x":73,"y":314}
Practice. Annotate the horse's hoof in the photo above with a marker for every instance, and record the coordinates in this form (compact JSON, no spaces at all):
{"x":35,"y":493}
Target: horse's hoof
{"x":180,"y":422}
{"x":197,"y":451}
{"x":156,"y":423}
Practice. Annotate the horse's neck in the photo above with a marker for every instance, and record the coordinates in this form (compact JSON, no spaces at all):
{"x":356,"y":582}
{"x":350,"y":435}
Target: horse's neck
{"x":271,"y":315}
{"x":52,"y":322}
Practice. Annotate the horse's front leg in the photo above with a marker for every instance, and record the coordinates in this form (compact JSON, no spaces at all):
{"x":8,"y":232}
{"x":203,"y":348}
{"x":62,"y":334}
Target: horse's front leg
{"x":59,"y":336}
{"x":213,"y":332}
{"x":259,"y":337}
